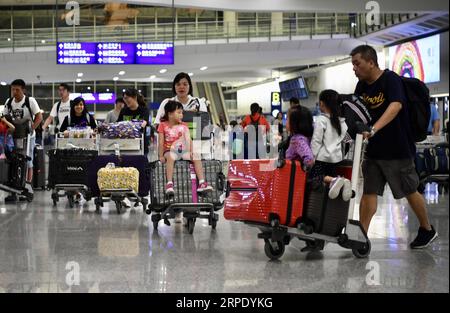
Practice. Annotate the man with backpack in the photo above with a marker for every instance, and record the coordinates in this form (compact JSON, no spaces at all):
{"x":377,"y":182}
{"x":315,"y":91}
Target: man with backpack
{"x":391,"y":149}
{"x":60,"y":109}
{"x":255,"y":119}
{"x":22,"y":107}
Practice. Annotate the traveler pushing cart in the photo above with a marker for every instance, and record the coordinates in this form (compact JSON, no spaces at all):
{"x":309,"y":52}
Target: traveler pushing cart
{"x":17,"y":165}
{"x":306,"y":214}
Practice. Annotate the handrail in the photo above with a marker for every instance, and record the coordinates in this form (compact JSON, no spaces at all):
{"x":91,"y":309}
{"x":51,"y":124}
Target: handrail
{"x":183,"y":31}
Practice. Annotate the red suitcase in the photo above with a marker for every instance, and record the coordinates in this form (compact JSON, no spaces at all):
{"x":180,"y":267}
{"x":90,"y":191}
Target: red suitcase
{"x":258,"y":191}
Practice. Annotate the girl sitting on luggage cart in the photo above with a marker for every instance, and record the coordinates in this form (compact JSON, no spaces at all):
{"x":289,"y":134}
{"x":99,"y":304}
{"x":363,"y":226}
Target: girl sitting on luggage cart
{"x":175,"y":143}
{"x":326,"y":144}
{"x":300,"y":126}
{"x":78,"y":117}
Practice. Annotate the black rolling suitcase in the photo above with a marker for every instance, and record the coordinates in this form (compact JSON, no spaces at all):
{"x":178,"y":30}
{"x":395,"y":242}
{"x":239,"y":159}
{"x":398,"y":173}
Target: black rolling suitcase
{"x":17,"y":171}
{"x":39,"y":167}
{"x":324,"y":215}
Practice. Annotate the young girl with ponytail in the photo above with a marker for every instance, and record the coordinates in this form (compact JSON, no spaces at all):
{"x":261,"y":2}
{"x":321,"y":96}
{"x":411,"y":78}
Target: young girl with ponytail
{"x":326,"y":145}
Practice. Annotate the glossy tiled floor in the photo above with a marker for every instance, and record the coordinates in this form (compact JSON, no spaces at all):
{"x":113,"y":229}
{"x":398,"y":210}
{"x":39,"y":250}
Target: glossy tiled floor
{"x":42,"y":246}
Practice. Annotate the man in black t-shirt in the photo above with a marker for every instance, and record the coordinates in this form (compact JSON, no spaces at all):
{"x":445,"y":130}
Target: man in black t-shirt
{"x":391,"y":149}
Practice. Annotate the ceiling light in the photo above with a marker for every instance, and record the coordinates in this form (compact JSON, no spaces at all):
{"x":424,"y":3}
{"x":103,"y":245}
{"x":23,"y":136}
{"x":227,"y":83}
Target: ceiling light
{"x":107,"y":89}
{"x":203,"y":68}
{"x":123,"y":90}
{"x":162,"y":71}
{"x":43,"y":41}
{"x":89,"y":88}
{"x":122,"y":73}
{"x":9,"y":39}
{"x":191,"y":74}
{"x":140,"y":91}
{"x":3,"y":83}
{"x":80,"y":74}
{"x":153,"y":77}
{"x":78,"y":80}
{"x":115,"y":78}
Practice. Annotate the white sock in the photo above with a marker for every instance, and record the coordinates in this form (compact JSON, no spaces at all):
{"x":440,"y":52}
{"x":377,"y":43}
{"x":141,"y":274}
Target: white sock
{"x":201,"y":181}
{"x":170,"y":182}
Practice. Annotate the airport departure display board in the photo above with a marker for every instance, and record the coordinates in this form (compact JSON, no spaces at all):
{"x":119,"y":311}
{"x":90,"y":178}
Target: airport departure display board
{"x":80,"y":53}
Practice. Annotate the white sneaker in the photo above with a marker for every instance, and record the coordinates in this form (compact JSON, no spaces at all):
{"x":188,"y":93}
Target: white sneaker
{"x":347,"y":190}
{"x":178,"y":218}
{"x":335,"y":187}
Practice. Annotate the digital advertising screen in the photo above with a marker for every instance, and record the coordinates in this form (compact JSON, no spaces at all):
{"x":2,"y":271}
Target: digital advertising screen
{"x":418,"y":58}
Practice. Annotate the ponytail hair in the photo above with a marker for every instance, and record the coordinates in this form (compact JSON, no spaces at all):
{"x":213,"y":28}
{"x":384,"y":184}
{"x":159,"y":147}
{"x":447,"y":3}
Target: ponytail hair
{"x":132,"y":92}
{"x":331,"y":100}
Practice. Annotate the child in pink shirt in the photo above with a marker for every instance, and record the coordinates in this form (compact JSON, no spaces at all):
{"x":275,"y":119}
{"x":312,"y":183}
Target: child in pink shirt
{"x":175,"y":143}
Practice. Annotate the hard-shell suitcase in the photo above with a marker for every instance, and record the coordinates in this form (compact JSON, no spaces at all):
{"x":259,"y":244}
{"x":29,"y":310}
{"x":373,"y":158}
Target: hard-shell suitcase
{"x":263,"y":190}
{"x":39,"y":167}
{"x":183,"y":184}
{"x":69,"y":166}
{"x":324,"y":215}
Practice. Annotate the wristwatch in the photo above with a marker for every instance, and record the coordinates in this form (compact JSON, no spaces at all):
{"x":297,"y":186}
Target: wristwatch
{"x":372,"y":131}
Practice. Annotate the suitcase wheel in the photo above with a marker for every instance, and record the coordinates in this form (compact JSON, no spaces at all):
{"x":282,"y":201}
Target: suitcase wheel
{"x":363,"y":252}
{"x":274,"y":250}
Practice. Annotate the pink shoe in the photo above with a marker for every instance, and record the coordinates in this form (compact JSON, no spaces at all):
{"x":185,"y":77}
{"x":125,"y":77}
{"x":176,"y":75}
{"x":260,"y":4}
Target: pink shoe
{"x":204,"y":187}
{"x":169,"y":189}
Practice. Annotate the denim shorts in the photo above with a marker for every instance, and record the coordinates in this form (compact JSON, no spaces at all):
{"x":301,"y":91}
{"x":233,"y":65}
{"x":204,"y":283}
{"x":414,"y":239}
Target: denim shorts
{"x":400,"y":174}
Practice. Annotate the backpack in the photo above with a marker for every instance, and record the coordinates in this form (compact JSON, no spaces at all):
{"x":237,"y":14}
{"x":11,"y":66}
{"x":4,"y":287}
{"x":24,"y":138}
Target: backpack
{"x":418,"y":98}
{"x":25,"y":104}
{"x":356,"y":114}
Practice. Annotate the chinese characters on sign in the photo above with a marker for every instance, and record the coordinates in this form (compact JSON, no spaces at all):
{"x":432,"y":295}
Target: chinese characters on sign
{"x":115,"y":53}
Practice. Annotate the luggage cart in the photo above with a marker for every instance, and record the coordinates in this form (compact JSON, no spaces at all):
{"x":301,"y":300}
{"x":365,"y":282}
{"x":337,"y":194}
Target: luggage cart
{"x":352,"y":237}
{"x":21,"y":149}
{"x":186,"y":199}
{"x":125,"y":146}
{"x":70,"y":183}
{"x":128,"y":146}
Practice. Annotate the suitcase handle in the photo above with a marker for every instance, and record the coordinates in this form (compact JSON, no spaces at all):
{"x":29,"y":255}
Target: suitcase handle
{"x":220,"y":181}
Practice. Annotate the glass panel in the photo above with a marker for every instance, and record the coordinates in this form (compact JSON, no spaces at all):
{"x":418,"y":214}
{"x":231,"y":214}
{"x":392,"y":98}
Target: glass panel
{"x":5,"y":19}
{"x":160,"y":95}
{"x":22,"y":19}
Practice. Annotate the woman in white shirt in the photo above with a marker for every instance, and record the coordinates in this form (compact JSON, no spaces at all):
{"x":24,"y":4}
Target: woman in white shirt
{"x":182,"y":88}
{"x":326,"y":144}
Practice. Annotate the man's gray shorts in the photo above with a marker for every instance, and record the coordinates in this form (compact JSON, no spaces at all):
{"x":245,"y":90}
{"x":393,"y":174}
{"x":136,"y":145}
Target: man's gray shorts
{"x":400,"y":174}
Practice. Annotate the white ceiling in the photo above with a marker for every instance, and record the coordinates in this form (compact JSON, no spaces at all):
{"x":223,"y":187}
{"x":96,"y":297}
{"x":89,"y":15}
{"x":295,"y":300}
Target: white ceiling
{"x":226,"y":62}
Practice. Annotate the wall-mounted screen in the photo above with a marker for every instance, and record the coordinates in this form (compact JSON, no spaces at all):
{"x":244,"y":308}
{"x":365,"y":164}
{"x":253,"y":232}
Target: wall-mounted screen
{"x":417,"y":58}
{"x":293,"y":88}
{"x":114,"y":53}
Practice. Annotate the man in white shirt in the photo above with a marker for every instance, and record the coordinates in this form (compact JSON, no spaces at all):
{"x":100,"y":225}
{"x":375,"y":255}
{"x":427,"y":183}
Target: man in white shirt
{"x":19,"y":107}
{"x":60,"y":109}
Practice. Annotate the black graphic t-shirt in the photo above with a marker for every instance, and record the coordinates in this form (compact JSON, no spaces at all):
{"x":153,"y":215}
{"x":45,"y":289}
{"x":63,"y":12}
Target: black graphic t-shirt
{"x":78,"y":121}
{"x":394,"y":141}
{"x":141,"y":114}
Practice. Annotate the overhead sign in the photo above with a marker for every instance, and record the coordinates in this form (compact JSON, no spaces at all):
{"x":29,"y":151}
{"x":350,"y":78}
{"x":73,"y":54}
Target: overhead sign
{"x":275,"y":103}
{"x":115,"y":53}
